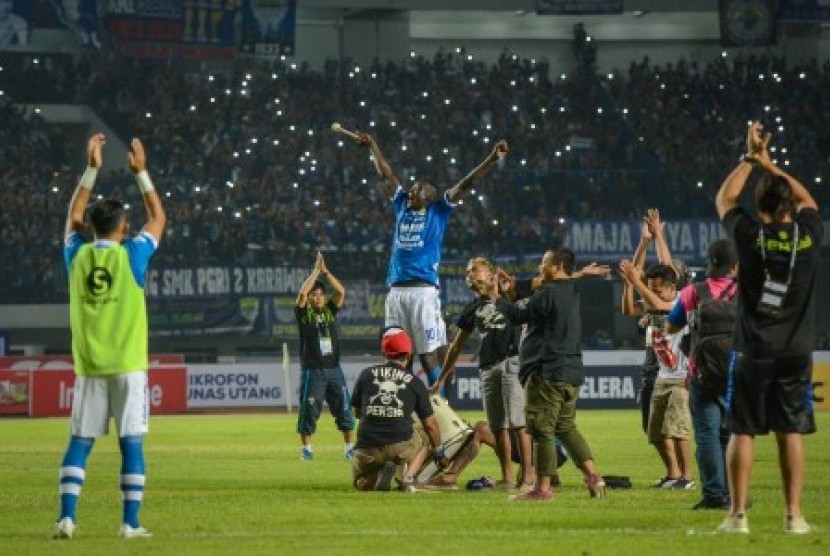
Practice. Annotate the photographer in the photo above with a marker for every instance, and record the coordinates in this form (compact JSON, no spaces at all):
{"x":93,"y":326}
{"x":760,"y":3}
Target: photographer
{"x":770,"y":383}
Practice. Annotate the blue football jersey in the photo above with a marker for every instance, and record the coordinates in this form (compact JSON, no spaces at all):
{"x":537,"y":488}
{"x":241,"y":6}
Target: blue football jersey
{"x":416,"y":244}
{"x":140,"y":250}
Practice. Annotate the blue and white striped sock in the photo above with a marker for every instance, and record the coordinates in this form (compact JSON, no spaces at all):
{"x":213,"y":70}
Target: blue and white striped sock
{"x":132,"y":477}
{"x":72,"y":473}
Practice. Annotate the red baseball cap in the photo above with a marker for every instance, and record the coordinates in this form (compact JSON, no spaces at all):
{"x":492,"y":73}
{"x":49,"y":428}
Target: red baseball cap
{"x":395,"y":343}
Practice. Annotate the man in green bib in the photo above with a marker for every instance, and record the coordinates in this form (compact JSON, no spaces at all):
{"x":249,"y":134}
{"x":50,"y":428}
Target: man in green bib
{"x":108,"y":319}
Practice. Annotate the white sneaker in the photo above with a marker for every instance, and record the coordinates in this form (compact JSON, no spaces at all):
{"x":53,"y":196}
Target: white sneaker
{"x":797,"y":525}
{"x":64,"y":528}
{"x":734,"y":524}
{"x":128,"y":532}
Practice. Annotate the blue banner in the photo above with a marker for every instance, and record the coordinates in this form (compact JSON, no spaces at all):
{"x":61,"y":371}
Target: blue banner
{"x":747,"y":22}
{"x":803,"y":10}
{"x":579,"y":7}
{"x":268,"y":27}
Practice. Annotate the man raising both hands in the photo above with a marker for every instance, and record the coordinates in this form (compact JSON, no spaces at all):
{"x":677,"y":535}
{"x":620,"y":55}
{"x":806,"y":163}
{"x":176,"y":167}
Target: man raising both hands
{"x":770,"y":385}
{"x":421,"y":217}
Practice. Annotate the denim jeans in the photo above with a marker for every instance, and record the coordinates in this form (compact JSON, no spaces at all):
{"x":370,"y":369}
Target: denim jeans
{"x":711,"y":437}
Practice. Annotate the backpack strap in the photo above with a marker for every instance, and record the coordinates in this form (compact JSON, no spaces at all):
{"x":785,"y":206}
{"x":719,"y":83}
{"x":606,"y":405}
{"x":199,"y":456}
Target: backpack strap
{"x":703,"y":291}
{"x":728,"y":292}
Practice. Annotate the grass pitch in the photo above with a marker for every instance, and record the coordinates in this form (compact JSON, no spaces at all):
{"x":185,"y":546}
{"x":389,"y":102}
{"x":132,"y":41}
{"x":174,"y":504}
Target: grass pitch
{"x":234,"y":484}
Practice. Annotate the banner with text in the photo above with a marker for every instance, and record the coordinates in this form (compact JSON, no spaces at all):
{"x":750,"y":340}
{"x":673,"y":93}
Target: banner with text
{"x":173,"y":28}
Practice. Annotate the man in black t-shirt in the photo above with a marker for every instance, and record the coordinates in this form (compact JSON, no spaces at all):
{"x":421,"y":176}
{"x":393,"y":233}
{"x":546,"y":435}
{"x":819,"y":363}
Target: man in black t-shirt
{"x":322,"y":377}
{"x":770,"y":383}
{"x":498,"y":358}
{"x":384,"y":399}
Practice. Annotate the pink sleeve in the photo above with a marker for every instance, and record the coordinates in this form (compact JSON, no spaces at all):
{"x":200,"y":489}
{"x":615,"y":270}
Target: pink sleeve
{"x":688,"y":297}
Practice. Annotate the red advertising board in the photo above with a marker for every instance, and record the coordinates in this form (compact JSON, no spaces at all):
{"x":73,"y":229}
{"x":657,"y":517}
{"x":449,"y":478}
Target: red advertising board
{"x":52,"y":391}
{"x":34,"y":362}
{"x":14,"y":392}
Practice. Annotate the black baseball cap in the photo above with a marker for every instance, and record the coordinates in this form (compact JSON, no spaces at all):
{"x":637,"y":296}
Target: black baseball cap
{"x":721,"y":258}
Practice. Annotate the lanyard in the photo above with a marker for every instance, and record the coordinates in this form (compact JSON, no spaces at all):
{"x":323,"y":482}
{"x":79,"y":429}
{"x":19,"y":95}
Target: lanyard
{"x":792,"y":255}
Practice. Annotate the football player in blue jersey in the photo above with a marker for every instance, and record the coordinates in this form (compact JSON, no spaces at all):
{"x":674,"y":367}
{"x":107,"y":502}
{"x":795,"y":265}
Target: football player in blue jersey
{"x":421,"y":218}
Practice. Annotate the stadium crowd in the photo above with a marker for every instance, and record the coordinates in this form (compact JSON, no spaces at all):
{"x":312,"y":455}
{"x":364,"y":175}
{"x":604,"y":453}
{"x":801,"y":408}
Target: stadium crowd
{"x":255,"y":176}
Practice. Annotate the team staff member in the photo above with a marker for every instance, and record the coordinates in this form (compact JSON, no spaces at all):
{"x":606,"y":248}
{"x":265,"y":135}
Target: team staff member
{"x":552,"y":372}
{"x":770,"y":384}
{"x":384,"y":399}
{"x":322,"y":377}
{"x":108,"y":319}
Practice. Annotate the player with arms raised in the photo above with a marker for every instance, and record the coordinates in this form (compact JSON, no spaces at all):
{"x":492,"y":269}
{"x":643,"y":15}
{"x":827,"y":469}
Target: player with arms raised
{"x":108,"y":319}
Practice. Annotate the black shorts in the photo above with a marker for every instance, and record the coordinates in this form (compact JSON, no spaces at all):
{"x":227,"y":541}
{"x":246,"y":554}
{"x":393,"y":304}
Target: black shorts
{"x":770,"y":394}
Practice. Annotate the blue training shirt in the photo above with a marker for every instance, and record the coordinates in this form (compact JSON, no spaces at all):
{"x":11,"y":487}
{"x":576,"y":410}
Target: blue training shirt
{"x":416,"y":245}
{"x":140,"y":250}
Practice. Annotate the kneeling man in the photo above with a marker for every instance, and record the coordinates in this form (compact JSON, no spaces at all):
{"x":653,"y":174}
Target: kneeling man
{"x":384,"y":398}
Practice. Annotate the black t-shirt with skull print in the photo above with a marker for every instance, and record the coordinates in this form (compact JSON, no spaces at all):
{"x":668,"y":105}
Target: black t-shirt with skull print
{"x":386,"y":396}
{"x":499,"y":339}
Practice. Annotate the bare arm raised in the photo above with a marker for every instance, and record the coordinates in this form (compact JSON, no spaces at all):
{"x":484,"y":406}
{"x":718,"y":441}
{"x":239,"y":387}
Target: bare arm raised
{"x":156,"y":217}
{"x":390,"y":180}
{"x":459,"y":190}
{"x":732,"y":187}
{"x":80,"y":199}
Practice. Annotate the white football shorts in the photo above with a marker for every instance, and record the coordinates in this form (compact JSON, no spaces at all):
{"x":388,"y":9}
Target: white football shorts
{"x":418,"y":311}
{"x":124,"y":396}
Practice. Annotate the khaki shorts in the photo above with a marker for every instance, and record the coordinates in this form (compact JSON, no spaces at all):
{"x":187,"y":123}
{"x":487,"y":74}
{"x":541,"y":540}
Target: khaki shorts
{"x":669,"y":416}
{"x":368,"y":462}
{"x":504,"y":397}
